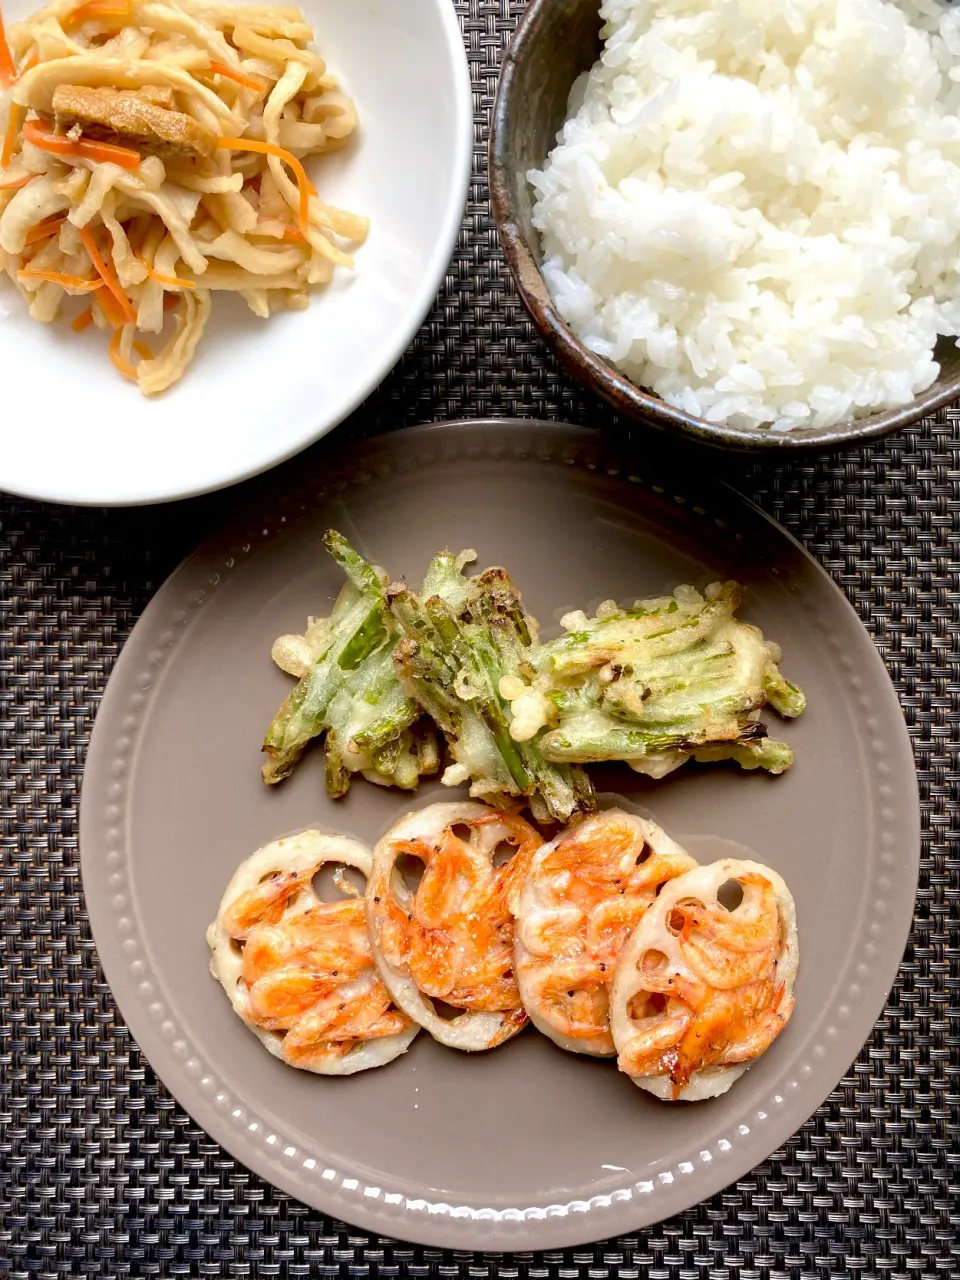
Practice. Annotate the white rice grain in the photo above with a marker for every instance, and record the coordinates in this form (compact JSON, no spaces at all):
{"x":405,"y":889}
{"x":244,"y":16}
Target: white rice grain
{"x":754,"y":208}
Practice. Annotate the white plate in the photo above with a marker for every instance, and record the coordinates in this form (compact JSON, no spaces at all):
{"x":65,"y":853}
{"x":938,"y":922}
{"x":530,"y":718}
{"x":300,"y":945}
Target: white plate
{"x":259,"y":391}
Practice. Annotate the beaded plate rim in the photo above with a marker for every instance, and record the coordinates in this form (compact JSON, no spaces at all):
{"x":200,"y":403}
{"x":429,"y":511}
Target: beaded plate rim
{"x":237,"y":1123}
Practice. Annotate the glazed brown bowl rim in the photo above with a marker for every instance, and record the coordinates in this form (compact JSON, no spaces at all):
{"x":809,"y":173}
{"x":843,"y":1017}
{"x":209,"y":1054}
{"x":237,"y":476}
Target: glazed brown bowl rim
{"x":601,"y":378}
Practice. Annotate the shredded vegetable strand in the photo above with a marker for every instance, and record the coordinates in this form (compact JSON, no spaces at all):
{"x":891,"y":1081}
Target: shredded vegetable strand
{"x":123,"y":367}
{"x":112,"y":312}
{"x":58,"y":277}
{"x":17,"y":184}
{"x":171,"y":282}
{"x":59,"y":144}
{"x":307,"y":188}
{"x":14,"y":121}
{"x":107,"y":275}
{"x":83,"y":321}
{"x":230,"y":73}
{"x":17,"y":114}
{"x":97,"y":10}
{"x":120,"y":364}
{"x":8,"y":69}
{"x":43,"y":230}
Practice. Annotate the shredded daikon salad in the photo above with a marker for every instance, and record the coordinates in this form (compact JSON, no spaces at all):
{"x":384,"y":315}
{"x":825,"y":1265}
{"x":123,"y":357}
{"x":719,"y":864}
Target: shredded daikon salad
{"x":151,"y":155}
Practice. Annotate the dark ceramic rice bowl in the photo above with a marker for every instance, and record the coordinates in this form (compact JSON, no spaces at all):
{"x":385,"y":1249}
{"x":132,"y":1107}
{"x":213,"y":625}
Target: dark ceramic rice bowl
{"x":555,"y":42}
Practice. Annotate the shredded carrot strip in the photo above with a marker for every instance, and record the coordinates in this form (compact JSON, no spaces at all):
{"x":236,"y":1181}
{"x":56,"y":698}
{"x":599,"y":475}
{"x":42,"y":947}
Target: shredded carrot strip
{"x":111,"y":309}
{"x":97,"y":9}
{"x":83,"y":321}
{"x":14,"y":121}
{"x":124,"y":366}
{"x":107,"y":275}
{"x":99,"y":152}
{"x":44,"y":229}
{"x":307,"y":188}
{"x":8,"y":70}
{"x":57,"y":277}
{"x":294,"y":234}
{"x":172,"y":282}
{"x":108,"y":153}
{"x":248,"y":82}
{"x":17,"y":114}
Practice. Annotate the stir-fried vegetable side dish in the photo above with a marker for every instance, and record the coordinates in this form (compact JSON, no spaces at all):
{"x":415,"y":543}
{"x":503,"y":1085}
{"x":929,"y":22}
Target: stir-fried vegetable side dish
{"x":152,"y":155}
{"x":655,"y":685}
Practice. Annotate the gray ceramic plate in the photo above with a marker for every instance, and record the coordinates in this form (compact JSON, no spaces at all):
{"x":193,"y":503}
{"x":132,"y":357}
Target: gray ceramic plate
{"x":526,"y":1147}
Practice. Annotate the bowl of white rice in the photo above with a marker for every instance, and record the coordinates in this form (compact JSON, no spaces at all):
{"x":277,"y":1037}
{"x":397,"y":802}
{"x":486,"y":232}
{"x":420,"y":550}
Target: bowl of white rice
{"x":739,"y":220}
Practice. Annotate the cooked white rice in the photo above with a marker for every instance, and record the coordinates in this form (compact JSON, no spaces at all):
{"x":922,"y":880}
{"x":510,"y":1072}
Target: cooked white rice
{"x":754,"y":207}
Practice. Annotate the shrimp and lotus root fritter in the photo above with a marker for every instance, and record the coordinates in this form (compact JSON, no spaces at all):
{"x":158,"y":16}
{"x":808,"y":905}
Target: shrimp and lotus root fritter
{"x":609,"y":938}
{"x":705,"y":984}
{"x":450,"y":938}
{"x":583,"y":896}
{"x":301,"y":972}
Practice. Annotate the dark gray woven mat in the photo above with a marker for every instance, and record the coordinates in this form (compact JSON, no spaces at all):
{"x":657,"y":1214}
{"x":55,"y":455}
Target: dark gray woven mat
{"x":101,"y":1173}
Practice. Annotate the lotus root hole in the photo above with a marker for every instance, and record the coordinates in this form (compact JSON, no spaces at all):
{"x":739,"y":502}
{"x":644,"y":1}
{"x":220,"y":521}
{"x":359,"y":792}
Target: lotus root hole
{"x":684,"y":915}
{"x":410,"y":870}
{"x":730,"y":895}
{"x":652,"y":962}
{"x":637,"y":1006}
{"x":462,"y":832}
{"x":676,"y":920}
{"x":645,"y":1004}
{"x":503,"y":853}
{"x":445,"y":1011}
{"x":329,"y":882}
{"x":645,"y":853}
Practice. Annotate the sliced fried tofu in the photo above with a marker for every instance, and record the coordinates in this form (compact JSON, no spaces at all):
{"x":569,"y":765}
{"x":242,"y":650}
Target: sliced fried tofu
{"x":144,"y":119}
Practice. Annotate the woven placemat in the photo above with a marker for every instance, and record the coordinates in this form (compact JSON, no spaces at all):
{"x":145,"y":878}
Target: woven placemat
{"x":102,"y":1174}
